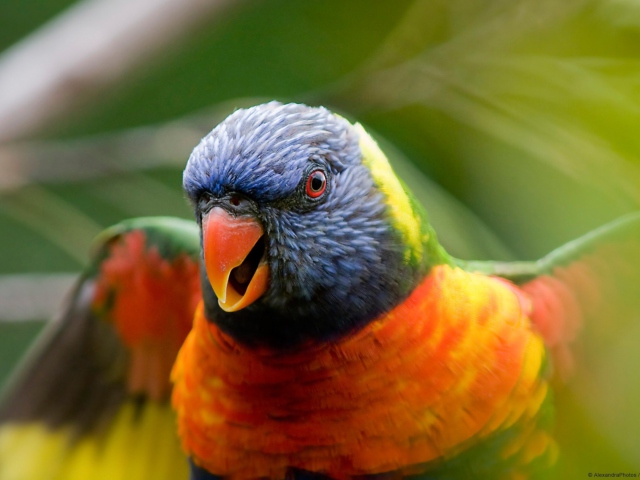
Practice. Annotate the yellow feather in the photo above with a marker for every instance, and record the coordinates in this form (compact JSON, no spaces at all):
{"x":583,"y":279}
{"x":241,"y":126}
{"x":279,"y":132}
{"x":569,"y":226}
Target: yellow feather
{"x":134,"y":446}
{"x":403,"y":216}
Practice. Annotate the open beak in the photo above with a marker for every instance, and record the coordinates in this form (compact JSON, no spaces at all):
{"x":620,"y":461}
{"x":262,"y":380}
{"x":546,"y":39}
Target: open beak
{"x":234,"y":257}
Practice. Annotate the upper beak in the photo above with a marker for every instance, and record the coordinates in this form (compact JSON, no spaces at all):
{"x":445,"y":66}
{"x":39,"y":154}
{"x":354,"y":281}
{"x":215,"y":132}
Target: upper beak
{"x":234,"y":258}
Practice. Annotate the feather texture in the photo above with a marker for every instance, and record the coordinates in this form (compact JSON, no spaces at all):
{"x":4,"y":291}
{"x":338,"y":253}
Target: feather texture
{"x":457,"y":363}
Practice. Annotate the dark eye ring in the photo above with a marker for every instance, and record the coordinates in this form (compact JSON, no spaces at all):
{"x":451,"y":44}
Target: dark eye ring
{"x":316,"y":184}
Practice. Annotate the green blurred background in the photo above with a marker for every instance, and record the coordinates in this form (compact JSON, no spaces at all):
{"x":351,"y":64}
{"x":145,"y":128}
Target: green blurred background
{"x":515,"y":121}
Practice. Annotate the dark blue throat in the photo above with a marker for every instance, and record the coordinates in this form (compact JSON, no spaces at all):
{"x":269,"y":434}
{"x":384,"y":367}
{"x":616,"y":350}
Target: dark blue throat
{"x":330,"y":312}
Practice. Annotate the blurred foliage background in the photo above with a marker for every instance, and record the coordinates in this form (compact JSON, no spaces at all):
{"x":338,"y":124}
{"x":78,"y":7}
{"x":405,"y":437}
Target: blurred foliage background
{"x":515,"y":121}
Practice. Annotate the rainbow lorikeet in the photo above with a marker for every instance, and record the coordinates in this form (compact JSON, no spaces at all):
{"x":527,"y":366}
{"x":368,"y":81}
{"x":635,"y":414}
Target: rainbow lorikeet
{"x":313,"y":327}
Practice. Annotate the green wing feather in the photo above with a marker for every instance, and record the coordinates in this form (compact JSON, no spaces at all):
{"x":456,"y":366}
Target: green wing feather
{"x":624,"y":231}
{"x":588,"y":281}
{"x":585,"y":300}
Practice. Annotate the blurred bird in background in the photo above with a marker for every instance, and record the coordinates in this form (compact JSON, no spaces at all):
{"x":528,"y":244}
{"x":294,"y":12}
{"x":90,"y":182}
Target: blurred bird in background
{"x":510,"y":121}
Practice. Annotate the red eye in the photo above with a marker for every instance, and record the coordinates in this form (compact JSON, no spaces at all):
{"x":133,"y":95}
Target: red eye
{"x":316,"y":184}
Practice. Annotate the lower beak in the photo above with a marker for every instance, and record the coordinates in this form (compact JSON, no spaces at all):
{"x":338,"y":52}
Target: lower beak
{"x":234,"y":257}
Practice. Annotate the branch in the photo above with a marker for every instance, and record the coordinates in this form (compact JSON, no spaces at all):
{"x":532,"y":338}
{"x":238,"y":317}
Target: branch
{"x":166,"y":144}
{"x":83,"y":50}
{"x":33,"y":296}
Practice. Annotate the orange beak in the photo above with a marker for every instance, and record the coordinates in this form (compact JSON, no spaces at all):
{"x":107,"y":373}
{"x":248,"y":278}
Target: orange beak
{"x":234,"y":259}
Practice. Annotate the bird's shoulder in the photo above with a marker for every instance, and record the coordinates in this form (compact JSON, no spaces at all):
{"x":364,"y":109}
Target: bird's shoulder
{"x":455,"y":365}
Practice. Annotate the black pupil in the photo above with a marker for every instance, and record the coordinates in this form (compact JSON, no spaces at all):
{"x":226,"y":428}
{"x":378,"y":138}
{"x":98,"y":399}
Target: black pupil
{"x":317,"y":181}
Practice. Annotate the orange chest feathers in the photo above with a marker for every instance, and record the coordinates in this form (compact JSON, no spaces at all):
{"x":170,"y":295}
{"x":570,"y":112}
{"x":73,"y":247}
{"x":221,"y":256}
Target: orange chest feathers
{"x":455,"y":362}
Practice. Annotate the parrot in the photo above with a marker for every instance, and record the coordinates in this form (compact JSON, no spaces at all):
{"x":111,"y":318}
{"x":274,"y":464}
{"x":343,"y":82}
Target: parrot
{"x":307,"y":325}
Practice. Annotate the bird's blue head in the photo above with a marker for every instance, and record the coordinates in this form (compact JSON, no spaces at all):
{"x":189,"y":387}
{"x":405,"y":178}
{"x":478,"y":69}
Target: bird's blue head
{"x":306,"y":232}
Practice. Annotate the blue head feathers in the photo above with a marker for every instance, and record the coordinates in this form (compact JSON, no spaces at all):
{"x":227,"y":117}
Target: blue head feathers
{"x":335,"y":261}
{"x":264,"y":151}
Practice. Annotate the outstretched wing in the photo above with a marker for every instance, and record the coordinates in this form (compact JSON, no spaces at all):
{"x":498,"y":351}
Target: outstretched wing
{"x":585,"y":300}
{"x":592,"y":281}
{"x":91,"y":399}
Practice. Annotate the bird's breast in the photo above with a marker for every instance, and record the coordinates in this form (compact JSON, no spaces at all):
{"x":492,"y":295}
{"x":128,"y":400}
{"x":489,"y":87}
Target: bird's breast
{"x":457,"y":362}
